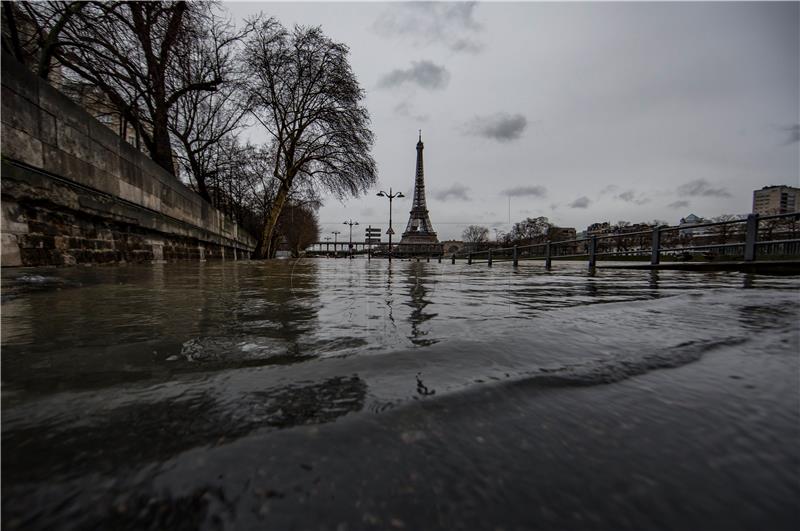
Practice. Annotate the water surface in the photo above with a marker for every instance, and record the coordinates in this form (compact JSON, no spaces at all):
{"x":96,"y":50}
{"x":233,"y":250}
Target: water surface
{"x":340,"y":394}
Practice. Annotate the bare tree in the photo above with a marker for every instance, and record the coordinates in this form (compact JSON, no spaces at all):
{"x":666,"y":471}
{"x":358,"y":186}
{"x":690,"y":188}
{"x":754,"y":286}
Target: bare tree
{"x":32,"y":31}
{"x":723,"y":233}
{"x":129,"y":50}
{"x":474,"y":235}
{"x":202,"y":121}
{"x":530,"y":229}
{"x":304,"y":93}
{"x":298,"y":224}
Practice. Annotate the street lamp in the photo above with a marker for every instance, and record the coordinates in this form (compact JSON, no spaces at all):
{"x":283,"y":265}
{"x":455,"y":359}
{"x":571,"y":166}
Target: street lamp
{"x":335,"y":234}
{"x":351,"y":223}
{"x":390,"y":232}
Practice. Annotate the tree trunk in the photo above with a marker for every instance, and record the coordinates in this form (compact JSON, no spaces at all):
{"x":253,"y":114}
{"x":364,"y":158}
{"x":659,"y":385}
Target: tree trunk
{"x":267,"y":244}
{"x":161,"y":152}
{"x":199,"y":177}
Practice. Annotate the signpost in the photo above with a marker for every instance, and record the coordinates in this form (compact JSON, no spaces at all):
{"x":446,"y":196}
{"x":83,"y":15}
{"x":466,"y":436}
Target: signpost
{"x":372,"y":237}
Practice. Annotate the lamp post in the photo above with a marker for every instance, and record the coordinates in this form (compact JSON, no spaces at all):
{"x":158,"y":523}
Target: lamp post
{"x":327,"y":244}
{"x":390,"y":232}
{"x":350,"y":245}
{"x":335,"y":248}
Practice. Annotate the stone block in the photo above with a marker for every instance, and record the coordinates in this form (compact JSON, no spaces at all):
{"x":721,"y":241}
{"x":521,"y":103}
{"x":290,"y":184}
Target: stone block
{"x":130,"y":193}
{"x":76,"y":169}
{"x":104,"y":159}
{"x":9,"y":250}
{"x":48,"y":128}
{"x":13,"y":218}
{"x":65,"y":110}
{"x":19,"y":145}
{"x":130,"y":172}
{"x":16,"y":77}
{"x":19,"y":112}
{"x":151,"y":201}
{"x":104,"y":135}
{"x":129,"y":152}
{"x":31,"y":256}
{"x":53,"y":160}
{"x":75,"y":142}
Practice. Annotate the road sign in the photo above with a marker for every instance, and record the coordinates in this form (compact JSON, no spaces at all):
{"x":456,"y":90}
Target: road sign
{"x":372,"y":235}
{"x":390,"y":231}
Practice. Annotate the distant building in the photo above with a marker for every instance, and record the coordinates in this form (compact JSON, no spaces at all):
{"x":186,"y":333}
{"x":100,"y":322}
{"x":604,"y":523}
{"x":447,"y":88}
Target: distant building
{"x":452,"y":246}
{"x":776,"y":200}
{"x":596,"y":229}
{"x":686,"y":223}
{"x":557,"y":234}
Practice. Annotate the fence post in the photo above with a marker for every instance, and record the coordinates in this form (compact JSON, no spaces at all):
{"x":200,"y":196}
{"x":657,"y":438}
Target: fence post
{"x":490,"y":258}
{"x":440,"y":259}
{"x":750,"y":238}
{"x":592,"y":252}
{"x":655,"y":254}
{"x":453,"y":259}
{"x":547,"y":260}
{"x":469,"y":258}
{"x":516,"y":257}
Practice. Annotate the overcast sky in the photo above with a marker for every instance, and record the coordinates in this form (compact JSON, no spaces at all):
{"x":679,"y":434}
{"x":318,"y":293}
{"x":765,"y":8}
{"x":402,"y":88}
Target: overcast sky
{"x":578,"y":112}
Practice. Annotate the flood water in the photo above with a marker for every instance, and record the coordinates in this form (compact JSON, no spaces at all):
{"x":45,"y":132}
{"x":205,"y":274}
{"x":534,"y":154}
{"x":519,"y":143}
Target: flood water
{"x":347,"y":394}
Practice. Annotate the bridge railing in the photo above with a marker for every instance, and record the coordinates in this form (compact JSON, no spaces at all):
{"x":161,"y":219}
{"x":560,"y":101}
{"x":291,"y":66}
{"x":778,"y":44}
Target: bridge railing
{"x":747,"y":239}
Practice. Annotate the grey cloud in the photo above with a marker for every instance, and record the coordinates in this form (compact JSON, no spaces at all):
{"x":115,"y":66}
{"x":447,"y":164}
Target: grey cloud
{"x":502,"y":127}
{"x":523,"y":191}
{"x":629,"y":196}
{"x":701,"y":187}
{"x":581,"y":202}
{"x":794,"y":134}
{"x":457,"y":191}
{"x":404,"y":109}
{"x":466,"y":45}
{"x":679,"y":204}
{"x":422,"y":73}
{"x":609,"y":189}
{"x":450,"y":24}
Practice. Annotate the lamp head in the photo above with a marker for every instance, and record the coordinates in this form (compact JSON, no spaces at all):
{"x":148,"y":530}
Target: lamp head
{"x":399,"y":194}
{"x":381,"y":194}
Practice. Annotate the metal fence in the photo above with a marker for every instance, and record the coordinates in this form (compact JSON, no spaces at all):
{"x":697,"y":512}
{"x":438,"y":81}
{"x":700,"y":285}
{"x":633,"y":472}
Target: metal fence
{"x":747,"y":239}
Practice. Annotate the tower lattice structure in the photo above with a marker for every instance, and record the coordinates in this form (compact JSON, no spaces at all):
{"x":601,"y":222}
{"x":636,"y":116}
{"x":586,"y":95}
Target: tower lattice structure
{"x":419,"y":236}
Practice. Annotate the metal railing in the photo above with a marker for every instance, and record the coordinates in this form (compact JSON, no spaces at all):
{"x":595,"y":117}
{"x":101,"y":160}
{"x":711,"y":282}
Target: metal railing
{"x":747,"y":239}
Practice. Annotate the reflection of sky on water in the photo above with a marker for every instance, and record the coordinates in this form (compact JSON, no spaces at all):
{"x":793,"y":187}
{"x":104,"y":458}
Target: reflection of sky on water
{"x":144,"y":397}
{"x":89,"y":327}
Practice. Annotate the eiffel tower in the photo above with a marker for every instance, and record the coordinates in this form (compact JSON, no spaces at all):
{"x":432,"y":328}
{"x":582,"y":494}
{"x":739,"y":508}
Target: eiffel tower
{"x":419,"y":236}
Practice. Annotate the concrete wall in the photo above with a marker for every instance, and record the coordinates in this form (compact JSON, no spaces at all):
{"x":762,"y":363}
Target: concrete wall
{"x":73,"y":191}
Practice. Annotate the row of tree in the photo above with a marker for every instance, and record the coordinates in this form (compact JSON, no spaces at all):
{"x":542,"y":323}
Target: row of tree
{"x":540,"y":229}
{"x":527,"y":231}
{"x":191,"y":84}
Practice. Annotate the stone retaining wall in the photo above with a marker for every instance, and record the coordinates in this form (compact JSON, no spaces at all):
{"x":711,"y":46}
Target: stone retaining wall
{"x":75,"y":192}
